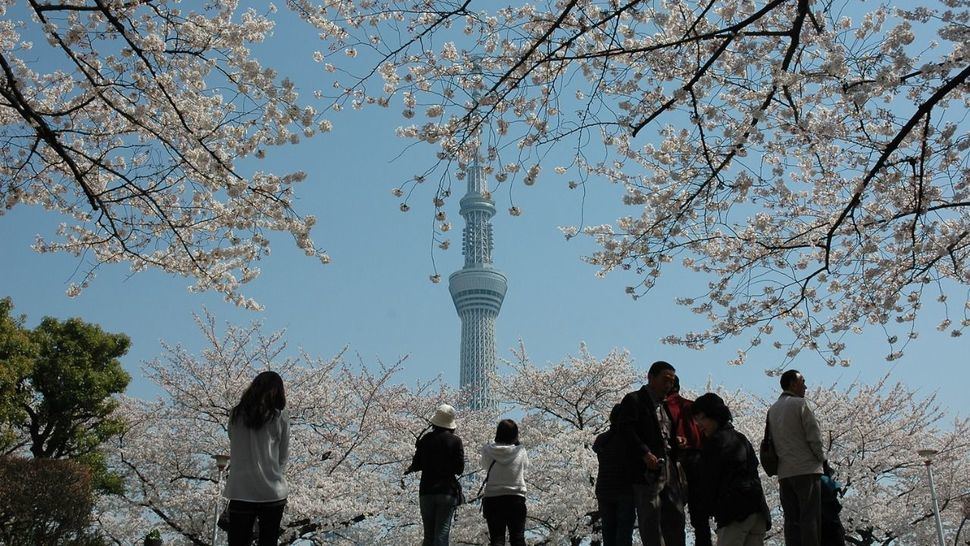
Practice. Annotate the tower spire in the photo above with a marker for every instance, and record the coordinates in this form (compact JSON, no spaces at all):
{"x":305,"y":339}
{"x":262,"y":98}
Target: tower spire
{"x":477,"y":289}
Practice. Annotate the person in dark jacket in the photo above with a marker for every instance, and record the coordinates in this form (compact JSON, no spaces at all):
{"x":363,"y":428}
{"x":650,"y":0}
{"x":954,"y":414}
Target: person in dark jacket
{"x":833,"y":533}
{"x":440,"y":458}
{"x":614,"y":491}
{"x":690,"y":442}
{"x":731,"y":487}
{"x":647,"y":429}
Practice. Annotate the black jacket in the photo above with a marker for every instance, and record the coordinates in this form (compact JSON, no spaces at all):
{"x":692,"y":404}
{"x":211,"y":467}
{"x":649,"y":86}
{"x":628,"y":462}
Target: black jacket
{"x":640,"y":429}
{"x":613,"y":476}
{"x":440,"y":457}
{"x":730,"y":485}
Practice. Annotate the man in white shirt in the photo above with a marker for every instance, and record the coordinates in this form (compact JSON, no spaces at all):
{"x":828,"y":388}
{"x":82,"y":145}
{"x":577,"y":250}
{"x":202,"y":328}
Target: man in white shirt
{"x":798,"y":441}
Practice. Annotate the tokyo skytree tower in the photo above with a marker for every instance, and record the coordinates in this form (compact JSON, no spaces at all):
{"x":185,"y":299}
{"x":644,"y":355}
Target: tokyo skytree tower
{"x":478,"y":290}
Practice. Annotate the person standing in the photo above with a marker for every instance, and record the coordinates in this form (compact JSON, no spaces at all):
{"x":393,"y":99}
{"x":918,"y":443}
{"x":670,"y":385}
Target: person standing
{"x":798,"y":442}
{"x":647,"y":429}
{"x":440,"y":458}
{"x":259,"y":441}
{"x":833,"y":532}
{"x":503,"y":500}
{"x":614,"y":492}
{"x":689,"y":442}
{"x":729,"y":487}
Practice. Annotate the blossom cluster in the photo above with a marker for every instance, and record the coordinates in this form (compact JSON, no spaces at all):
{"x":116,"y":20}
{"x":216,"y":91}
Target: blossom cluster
{"x":131,"y":120}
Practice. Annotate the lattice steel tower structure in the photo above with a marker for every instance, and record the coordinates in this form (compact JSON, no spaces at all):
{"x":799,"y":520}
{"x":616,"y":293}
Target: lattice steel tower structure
{"x":478,"y":290}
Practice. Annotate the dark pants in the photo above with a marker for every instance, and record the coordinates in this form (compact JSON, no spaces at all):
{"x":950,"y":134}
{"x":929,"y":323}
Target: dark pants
{"x":437,"y":512}
{"x":699,"y":520}
{"x":801,"y":502}
{"x":505,"y":512}
{"x":618,"y":514}
{"x":242,"y":516}
{"x":660,"y":515}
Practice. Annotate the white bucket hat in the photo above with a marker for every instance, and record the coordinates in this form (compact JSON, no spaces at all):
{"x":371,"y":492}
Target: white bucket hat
{"x":444,"y":417}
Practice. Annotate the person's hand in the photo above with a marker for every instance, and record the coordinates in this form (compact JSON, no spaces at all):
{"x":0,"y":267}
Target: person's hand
{"x":653,"y":463}
{"x":681,"y":442}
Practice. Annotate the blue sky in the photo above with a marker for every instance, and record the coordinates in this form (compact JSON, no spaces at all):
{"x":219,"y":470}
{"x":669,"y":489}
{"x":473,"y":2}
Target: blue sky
{"x":376,"y":297}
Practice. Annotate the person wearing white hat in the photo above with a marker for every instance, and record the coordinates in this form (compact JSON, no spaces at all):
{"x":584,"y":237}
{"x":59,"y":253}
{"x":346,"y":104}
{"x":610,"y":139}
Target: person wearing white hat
{"x":440,"y":457}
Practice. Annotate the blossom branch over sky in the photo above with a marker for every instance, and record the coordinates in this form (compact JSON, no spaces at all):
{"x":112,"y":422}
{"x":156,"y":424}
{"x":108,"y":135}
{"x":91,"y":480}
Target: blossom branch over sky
{"x":807,"y":158}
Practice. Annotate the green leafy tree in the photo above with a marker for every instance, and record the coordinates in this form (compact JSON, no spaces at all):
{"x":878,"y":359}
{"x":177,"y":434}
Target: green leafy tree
{"x":16,"y":360}
{"x":58,"y":383}
{"x":74,"y":377}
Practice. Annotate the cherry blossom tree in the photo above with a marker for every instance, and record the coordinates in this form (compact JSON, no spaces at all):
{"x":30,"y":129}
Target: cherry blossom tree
{"x":808,"y":159}
{"x":131,"y":120}
{"x":352,"y":436}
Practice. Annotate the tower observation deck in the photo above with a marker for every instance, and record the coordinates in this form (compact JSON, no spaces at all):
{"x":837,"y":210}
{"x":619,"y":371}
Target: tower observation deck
{"x":478,"y":290}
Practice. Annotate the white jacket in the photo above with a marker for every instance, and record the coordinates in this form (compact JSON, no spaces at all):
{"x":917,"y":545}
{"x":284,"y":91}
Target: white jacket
{"x":258,"y":458}
{"x":796,"y":436}
{"x":507,"y":475}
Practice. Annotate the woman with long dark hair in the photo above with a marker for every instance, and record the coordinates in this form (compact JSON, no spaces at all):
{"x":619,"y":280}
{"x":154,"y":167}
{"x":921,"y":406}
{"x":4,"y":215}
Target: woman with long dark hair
{"x":503,"y":502}
{"x":259,"y":439}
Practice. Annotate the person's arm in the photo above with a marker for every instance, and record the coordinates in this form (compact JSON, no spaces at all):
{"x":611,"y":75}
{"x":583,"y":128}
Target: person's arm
{"x":415,"y":465}
{"x":813,"y":435}
{"x":485,"y":460}
{"x":627,"y":426}
{"x":284,"y":452}
{"x":459,"y":458}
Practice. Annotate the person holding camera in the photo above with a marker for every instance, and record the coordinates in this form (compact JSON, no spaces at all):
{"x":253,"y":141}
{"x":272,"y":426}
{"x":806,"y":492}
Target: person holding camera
{"x":503,"y":501}
{"x":440,"y":457}
{"x":647,"y":428}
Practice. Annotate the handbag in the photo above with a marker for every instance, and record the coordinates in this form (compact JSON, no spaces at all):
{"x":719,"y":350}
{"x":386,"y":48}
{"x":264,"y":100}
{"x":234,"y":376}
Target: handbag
{"x":223,"y":521}
{"x":767,"y":452}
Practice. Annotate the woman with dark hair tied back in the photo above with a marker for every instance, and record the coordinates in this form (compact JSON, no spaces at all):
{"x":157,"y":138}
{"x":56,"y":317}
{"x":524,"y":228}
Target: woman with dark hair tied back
{"x":503,"y":501}
{"x":731,"y":486}
{"x":259,"y":439}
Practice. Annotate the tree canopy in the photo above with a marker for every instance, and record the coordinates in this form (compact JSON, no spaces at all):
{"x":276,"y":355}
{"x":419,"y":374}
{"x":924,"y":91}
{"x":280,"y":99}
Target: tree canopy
{"x":809,"y":159}
{"x":60,"y":382}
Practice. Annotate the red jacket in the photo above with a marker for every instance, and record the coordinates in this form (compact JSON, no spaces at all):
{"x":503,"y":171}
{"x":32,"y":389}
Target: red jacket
{"x":683,"y":417}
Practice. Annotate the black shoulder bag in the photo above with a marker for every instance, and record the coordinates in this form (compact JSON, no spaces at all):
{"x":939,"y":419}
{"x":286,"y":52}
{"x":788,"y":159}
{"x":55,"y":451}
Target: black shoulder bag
{"x":767,"y":453}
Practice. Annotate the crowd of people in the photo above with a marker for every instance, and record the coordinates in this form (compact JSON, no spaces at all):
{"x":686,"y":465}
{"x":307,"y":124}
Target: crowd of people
{"x":662,"y":458}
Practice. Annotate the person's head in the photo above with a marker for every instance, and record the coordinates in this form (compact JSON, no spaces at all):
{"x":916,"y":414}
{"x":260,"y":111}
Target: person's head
{"x":444,"y":418}
{"x":260,"y":402}
{"x":710,"y":413}
{"x":792,"y":381}
{"x":675,"y":388}
{"x":507,"y":432}
{"x":615,"y":415}
{"x":660,"y":378}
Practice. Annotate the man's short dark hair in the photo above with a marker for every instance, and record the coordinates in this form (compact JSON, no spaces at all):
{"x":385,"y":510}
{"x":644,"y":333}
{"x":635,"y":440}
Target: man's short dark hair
{"x":659,"y":366}
{"x":788,"y":378}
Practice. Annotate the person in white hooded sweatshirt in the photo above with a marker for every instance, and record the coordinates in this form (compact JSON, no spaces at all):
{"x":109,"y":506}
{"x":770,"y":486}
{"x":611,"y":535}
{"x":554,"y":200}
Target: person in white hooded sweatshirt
{"x":503,"y":501}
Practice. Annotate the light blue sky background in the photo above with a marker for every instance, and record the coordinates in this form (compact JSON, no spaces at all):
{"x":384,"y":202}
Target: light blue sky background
{"x":376,"y":296}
